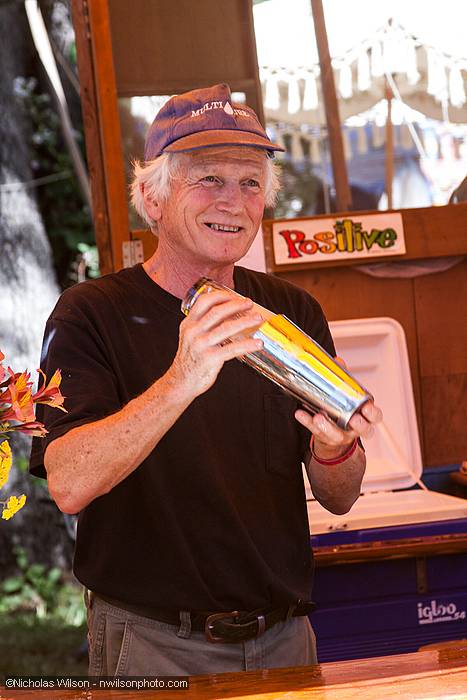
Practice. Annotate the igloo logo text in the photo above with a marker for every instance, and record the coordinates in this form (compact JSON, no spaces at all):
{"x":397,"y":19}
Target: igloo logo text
{"x":433,"y":612}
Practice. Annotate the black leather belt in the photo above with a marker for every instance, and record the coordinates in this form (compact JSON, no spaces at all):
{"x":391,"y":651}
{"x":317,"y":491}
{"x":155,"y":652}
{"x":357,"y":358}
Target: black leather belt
{"x":223,"y":627}
{"x":239,"y":627}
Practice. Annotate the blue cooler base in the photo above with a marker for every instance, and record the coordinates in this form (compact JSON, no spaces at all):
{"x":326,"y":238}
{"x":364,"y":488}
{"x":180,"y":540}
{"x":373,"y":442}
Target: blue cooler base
{"x":374,"y":608}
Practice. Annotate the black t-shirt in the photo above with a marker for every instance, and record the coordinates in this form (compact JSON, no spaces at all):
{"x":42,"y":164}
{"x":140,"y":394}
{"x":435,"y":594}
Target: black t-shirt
{"x":215,"y":517}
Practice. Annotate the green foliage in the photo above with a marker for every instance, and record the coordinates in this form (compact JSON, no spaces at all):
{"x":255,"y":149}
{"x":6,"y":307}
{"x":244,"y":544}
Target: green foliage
{"x":46,"y":647}
{"x":42,"y":622}
{"x":301,"y":190}
{"x":42,"y":592}
{"x":21,"y":463}
{"x":91,"y":259}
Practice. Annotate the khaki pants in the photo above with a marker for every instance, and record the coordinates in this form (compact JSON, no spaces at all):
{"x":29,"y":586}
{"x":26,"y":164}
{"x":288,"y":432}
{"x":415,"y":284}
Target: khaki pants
{"x":122,"y":643}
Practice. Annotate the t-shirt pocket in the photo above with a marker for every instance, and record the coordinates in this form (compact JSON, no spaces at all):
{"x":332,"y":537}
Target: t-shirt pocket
{"x":283,"y":438}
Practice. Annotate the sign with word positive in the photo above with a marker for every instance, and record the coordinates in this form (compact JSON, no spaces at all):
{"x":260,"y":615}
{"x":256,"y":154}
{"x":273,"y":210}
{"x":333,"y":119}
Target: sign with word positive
{"x":344,"y":237}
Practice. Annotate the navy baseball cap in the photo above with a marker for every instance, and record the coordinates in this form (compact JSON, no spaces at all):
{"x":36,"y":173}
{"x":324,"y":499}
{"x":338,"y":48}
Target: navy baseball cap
{"x":203,"y":118}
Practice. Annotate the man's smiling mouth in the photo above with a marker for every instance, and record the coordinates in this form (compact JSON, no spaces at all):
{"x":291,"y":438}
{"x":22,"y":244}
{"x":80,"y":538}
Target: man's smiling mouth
{"x":224,"y":228}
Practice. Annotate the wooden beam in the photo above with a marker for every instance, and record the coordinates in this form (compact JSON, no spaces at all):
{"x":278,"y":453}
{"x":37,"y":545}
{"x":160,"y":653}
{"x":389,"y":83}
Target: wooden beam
{"x":339,"y":167}
{"x":109,"y":126}
{"x":254,"y":94}
{"x":90,"y":110}
{"x":433,"y":545}
{"x":389,"y":165}
{"x":102,"y":130}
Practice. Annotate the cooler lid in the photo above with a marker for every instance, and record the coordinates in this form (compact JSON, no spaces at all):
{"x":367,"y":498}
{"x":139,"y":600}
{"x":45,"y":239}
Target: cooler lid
{"x":375,"y":351}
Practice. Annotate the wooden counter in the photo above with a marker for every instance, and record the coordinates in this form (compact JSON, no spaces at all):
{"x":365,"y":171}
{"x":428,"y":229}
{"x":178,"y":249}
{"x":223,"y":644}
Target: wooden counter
{"x":425,"y":675}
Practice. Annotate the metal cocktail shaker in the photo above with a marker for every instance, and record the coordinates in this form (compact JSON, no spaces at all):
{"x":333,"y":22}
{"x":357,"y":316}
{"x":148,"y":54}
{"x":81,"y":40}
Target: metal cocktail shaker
{"x":296,"y":362}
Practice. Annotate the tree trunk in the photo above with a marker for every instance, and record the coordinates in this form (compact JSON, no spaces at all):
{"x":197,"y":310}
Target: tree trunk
{"x":28,"y":288}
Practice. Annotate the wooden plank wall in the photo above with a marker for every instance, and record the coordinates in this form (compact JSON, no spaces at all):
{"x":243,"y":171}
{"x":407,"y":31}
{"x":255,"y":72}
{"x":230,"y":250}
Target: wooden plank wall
{"x":432,"y":311}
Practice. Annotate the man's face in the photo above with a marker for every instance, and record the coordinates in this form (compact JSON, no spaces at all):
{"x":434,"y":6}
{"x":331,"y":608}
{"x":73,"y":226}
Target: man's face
{"x":215,"y":207}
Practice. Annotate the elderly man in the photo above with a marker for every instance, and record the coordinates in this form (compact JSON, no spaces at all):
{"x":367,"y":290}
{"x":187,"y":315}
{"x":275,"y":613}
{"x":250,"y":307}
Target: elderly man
{"x":185,"y":468}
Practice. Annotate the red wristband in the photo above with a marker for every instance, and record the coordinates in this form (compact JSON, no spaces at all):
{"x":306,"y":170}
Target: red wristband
{"x":336,"y":460}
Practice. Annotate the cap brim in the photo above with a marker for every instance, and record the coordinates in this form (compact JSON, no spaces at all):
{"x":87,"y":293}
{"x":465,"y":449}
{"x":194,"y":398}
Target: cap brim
{"x":221,"y":137}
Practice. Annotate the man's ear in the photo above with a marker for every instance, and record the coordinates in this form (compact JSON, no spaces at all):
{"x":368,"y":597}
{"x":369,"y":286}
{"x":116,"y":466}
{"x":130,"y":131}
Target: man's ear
{"x":153,"y":208}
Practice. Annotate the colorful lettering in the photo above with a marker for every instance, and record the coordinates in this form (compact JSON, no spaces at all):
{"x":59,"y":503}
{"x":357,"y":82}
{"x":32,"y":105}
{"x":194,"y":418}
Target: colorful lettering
{"x":324,"y":237}
{"x":370,"y":238}
{"x":387,"y":238}
{"x":340,"y":236}
{"x":292,"y":238}
{"x":308,"y":247}
{"x":348,"y":228}
{"x":347,"y":237}
{"x":358,"y":240}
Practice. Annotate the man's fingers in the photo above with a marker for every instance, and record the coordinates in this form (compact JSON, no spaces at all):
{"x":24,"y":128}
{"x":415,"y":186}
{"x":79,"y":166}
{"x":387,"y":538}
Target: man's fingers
{"x":372,"y":413}
{"x":238,"y":348}
{"x":305,"y":418}
{"x":232,"y":327}
{"x":361,"y":426}
{"x":328,"y":432}
{"x":216,"y":304}
{"x":324,"y":429}
{"x":206,"y":301}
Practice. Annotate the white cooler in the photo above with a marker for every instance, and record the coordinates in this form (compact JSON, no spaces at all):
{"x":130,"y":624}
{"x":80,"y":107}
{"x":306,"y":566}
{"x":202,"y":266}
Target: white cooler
{"x":389,"y":601}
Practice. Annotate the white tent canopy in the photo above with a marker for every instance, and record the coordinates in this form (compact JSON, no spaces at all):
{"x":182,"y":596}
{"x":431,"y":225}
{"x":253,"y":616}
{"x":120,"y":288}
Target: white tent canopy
{"x":424,"y":49}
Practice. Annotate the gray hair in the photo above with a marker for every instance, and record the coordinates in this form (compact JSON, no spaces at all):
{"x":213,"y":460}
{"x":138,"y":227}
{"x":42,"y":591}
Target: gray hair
{"x":156,"y":177}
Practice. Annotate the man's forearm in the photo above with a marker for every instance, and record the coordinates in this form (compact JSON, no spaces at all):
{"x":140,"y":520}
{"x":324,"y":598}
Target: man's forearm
{"x":91,"y":459}
{"x":337,"y":487}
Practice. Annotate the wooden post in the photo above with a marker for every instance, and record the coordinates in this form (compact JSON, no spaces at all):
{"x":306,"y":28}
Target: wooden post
{"x":389,"y":146}
{"x":90,"y":110}
{"x":339,"y":167}
{"x":254,"y":94}
{"x":102,"y":130}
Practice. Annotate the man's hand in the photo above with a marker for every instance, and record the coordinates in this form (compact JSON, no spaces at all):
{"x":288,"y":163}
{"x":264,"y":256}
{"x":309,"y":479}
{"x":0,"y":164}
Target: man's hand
{"x":209,"y":337}
{"x":330,"y":441}
{"x":337,"y":487}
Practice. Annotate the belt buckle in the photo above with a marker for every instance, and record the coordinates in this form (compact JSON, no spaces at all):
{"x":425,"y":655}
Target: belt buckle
{"x":211,"y":619}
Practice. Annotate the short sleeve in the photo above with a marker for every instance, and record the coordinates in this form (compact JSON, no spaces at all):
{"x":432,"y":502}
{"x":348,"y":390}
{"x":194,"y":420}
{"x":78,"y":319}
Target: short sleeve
{"x":88,"y":382}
